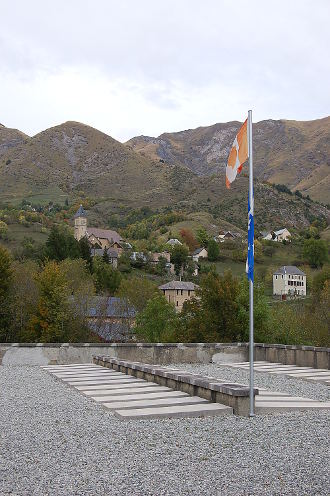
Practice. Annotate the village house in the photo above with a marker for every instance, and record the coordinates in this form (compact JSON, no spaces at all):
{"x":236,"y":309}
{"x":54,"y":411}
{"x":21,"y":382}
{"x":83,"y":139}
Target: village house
{"x":154,"y":257}
{"x":280,"y":235}
{"x":98,"y":238}
{"x":173,"y":241}
{"x":199,"y":253}
{"x":177,"y":292}
{"x":111,"y":252}
{"x":138,"y":256}
{"x":226,"y":235}
{"x":111,"y":318}
{"x":289,"y":281}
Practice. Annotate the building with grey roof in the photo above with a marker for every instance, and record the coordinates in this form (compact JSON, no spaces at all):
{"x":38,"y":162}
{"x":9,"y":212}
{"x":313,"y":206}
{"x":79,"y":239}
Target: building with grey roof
{"x":98,"y":238}
{"x":111,"y":318}
{"x":178,"y":292}
{"x":289,"y":281}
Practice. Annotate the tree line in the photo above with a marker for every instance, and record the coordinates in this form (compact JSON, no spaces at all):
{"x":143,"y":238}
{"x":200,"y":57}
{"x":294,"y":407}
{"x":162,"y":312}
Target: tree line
{"x":220,"y":313}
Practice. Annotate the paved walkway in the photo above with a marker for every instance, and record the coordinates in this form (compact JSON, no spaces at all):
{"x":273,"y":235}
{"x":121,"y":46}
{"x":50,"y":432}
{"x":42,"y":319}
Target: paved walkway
{"x":132,"y":398}
{"x":305,"y":373}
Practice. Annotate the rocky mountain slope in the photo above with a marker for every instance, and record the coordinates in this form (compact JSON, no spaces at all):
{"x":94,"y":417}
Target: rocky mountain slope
{"x":76,"y":157}
{"x":74,"y":160}
{"x":294,"y":153}
{"x":10,"y":138}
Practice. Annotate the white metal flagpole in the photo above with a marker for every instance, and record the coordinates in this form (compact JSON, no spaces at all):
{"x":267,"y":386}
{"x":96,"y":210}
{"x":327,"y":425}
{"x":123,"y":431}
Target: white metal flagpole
{"x":251,"y":202}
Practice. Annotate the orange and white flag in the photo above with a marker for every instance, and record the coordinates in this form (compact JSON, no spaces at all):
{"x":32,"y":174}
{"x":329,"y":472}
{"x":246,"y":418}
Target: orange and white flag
{"x":238,"y":155}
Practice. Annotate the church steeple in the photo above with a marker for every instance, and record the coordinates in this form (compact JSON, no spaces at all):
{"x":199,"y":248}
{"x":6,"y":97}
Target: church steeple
{"x":80,"y":223}
{"x":80,"y":212}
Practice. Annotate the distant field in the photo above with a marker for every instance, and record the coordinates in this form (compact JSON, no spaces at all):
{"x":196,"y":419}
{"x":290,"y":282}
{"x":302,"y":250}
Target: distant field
{"x":49,"y":194}
{"x":17,"y":232}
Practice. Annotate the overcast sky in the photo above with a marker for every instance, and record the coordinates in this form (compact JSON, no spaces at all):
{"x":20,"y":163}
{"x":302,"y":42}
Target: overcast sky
{"x":131,"y":67}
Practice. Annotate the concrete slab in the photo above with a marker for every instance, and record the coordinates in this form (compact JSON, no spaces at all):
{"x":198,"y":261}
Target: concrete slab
{"x":98,"y":378}
{"x":137,"y":397}
{"x":87,"y":376}
{"x":304,"y":373}
{"x":125,"y":391}
{"x":108,"y":382}
{"x":200,"y":410}
{"x":129,"y":405}
{"x":86,"y":371}
{"x":110,"y":387}
{"x":70,"y":366}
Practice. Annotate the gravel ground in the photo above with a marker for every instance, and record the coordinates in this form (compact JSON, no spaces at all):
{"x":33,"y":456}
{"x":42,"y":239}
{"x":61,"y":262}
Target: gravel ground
{"x":54,"y":441}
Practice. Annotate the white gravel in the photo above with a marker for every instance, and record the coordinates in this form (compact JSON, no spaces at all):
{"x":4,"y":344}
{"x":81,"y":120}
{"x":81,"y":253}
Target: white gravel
{"x":54,"y":441}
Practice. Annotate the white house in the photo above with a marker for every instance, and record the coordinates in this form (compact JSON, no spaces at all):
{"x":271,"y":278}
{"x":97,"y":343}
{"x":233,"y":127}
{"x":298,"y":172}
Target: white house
{"x":289,"y":280}
{"x":173,"y":241}
{"x":281,"y":235}
{"x":199,"y":253}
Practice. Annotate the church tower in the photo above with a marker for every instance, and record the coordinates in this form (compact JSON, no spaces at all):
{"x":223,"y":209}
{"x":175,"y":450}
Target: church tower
{"x":80,"y":223}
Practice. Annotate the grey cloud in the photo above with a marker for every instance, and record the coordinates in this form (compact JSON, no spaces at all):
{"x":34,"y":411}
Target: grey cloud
{"x":273,"y":52}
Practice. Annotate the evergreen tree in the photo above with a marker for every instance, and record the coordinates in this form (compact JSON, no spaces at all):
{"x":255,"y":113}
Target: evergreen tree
{"x":179,"y":257}
{"x":107,"y":280}
{"x":85,"y":252}
{"x":213,"y":250}
{"x":61,"y":244}
{"x":105,"y":257}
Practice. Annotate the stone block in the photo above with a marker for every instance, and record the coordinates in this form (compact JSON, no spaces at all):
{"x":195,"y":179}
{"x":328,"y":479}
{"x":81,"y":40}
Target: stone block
{"x":126,"y":385}
{"x":149,"y":403}
{"x":201,"y":410}
{"x":125,"y":391}
{"x":140,"y":396}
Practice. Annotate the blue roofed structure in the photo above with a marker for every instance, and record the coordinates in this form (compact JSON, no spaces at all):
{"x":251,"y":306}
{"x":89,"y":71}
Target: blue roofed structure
{"x":111,"y":318}
{"x":80,"y":212}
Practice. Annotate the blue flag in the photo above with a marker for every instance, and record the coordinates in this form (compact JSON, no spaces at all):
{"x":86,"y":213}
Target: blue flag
{"x":250,"y":254}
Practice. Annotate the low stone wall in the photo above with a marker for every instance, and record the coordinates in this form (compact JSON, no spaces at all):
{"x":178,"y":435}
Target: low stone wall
{"x":163,"y":354}
{"x":66,"y":353}
{"x":302,"y":356}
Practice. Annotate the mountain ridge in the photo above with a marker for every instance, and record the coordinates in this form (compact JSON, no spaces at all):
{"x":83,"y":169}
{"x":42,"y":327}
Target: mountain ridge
{"x":294,"y":153}
{"x":73,"y":160}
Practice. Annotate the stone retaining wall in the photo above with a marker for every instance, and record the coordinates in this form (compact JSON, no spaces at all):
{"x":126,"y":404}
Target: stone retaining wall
{"x":66,"y":353}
